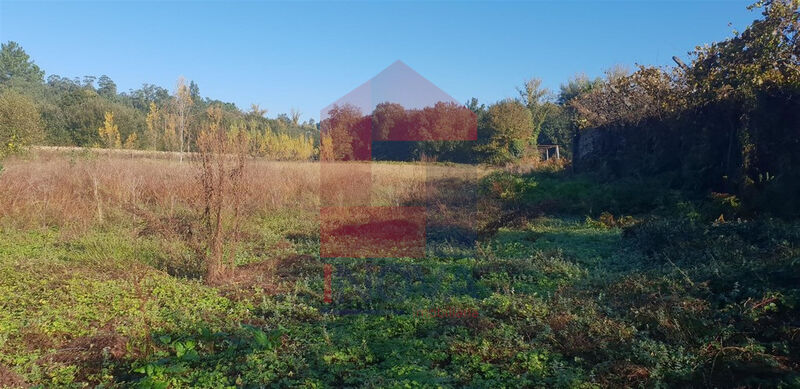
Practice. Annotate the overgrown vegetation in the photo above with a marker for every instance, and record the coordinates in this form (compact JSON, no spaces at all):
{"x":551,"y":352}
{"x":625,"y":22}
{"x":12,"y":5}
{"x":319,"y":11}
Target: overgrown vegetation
{"x":726,"y":123}
{"x":648,"y":268}
{"x":587,"y":283}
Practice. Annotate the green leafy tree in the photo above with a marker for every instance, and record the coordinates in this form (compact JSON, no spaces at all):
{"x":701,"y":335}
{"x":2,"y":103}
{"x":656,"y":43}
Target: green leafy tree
{"x":106,"y":87}
{"x":576,"y":86}
{"x":508,"y":124}
{"x":534,"y":97}
{"x":558,"y":129}
{"x":20,"y":122}
{"x":15,"y":64}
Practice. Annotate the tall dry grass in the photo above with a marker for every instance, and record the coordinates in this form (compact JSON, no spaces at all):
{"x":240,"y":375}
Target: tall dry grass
{"x":62,"y":191}
{"x":77,"y":190}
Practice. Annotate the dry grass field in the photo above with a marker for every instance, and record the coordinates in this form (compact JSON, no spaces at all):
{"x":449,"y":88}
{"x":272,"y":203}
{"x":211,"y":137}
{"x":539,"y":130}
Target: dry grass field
{"x":76,"y":188}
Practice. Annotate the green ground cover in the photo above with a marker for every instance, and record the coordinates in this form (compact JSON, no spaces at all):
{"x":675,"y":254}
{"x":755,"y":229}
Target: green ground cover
{"x":586,"y":284}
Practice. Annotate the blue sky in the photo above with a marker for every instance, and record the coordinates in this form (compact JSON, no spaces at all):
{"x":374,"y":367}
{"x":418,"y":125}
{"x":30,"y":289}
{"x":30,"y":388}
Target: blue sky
{"x":307,"y":54}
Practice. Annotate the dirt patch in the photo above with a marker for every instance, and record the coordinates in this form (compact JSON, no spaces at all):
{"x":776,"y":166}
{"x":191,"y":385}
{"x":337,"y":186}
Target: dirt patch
{"x":173,"y":226}
{"x":91,"y":349}
{"x":89,"y":353}
{"x":258,"y":274}
{"x":33,"y":339}
{"x":269,"y":275}
{"x":9,"y":379}
{"x":295,"y":266}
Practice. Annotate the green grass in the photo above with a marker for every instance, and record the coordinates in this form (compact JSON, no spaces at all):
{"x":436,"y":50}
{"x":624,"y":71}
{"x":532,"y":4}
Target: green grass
{"x":566,"y":298}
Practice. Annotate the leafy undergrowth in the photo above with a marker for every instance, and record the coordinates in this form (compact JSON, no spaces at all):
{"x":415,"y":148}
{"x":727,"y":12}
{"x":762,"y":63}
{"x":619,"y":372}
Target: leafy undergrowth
{"x":566,"y":296}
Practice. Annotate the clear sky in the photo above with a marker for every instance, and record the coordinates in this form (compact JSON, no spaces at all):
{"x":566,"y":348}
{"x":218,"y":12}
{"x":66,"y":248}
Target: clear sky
{"x":308,"y":54}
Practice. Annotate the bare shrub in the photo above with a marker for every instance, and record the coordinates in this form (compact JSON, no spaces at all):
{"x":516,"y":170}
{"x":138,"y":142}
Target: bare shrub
{"x":222,"y":157}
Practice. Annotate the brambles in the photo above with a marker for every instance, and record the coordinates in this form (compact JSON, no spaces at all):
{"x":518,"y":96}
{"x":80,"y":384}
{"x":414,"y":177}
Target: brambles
{"x":724,"y":123}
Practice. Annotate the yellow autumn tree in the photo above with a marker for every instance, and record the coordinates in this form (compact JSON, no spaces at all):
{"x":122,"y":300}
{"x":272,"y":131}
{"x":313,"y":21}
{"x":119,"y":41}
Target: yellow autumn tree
{"x":169,"y":138}
{"x":109,"y":133}
{"x":326,"y":148}
{"x":282,"y":147}
{"x":183,"y":104}
{"x":151,"y":136}
{"x":130,"y":142}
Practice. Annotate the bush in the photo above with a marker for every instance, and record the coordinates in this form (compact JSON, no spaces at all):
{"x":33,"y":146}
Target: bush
{"x":20,"y":123}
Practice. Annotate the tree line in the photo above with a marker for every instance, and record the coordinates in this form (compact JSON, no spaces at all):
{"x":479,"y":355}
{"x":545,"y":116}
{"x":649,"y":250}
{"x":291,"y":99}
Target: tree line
{"x":736,"y":72}
{"x":91,"y":112}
